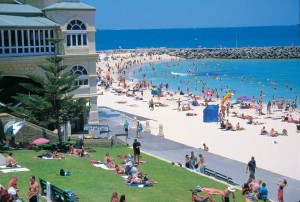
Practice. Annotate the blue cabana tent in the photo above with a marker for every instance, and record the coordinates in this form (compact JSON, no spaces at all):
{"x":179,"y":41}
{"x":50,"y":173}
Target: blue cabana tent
{"x":210,"y":113}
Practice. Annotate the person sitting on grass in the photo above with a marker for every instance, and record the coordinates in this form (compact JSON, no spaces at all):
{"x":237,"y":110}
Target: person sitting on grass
{"x":71,"y":149}
{"x":109,"y":161}
{"x":132,"y":180}
{"x":255,"y":185}
{"x":145,"y":179}
{"x":120,"y":169}
{"x":245,"y":188}
{"x":114,"y":197}
{"x":197,"y":198}
{"x":57,"y":155}
{"x":262,"y":193}
{"x":9,"y":161}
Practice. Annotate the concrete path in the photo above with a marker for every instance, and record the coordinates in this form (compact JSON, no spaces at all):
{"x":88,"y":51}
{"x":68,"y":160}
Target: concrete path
{"x":175,"y":152}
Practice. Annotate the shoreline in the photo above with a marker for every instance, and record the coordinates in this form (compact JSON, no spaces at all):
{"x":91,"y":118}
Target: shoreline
{"x":237,"y":145}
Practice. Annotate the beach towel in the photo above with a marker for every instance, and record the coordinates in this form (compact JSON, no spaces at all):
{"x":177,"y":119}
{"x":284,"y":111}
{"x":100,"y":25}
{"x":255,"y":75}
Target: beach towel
{"x":13,"y":170}
{"x":140,"y":185}
{"x":103,"y":166}
{"x":4,"y":167}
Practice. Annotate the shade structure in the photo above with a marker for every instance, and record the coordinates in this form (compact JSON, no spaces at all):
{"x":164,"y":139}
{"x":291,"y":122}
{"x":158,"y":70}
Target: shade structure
{"x":40,"y":141}
{"x":210,"y":113}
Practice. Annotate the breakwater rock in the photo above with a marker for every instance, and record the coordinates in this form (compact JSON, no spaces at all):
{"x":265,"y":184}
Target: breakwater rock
{"x":239,"y":53}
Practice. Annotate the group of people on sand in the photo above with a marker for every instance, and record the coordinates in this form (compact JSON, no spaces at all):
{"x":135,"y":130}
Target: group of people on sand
{"x":273,"y":133}
{"x":228,"y":126}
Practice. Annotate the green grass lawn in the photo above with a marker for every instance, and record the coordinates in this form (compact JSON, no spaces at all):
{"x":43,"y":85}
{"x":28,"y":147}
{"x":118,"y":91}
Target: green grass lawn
{"x":95,"y":184}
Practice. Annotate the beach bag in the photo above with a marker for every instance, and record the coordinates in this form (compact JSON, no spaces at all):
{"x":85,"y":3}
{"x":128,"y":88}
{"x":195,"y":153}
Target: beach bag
{"x":62,"y":172}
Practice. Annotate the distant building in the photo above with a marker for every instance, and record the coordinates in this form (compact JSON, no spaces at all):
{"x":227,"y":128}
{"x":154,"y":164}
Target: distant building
{"x":24,"y":27}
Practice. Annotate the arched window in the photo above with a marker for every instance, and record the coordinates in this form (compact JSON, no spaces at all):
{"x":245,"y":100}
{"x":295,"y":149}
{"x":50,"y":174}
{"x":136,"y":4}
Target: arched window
{"x":80,"y":71}
{"x":76,"y":33}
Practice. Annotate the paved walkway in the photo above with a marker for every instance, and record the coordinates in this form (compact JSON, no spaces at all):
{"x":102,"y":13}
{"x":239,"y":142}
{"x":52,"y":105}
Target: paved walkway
{"x":175,"y":152}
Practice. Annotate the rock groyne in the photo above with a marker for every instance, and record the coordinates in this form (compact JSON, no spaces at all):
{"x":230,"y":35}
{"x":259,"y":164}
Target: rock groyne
{"x":239,"y":53}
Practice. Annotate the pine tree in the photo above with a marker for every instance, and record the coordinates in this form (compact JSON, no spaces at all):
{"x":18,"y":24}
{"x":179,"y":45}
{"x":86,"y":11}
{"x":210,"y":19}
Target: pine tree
{"x":50,"y":103}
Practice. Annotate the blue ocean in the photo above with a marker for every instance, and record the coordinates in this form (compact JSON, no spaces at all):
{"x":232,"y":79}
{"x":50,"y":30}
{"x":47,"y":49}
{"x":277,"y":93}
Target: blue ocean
{"x":278,"y":78}
{"x":272,"y":78}
{"x":198,"y":37}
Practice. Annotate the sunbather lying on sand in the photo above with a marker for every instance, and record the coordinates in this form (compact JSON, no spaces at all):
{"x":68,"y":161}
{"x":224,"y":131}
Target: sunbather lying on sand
{"x":121,"y":102}
{"x":273,"y":133}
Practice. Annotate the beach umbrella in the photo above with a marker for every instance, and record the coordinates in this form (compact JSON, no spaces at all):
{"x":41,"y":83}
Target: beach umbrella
{"x":209,"y":92}
{"x":244,"y":98}
{"x":40,"y":141}
{"x":13,"y":127}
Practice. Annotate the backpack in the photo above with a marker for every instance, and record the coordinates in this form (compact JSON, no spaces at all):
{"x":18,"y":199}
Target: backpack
{"x":62,"y":172}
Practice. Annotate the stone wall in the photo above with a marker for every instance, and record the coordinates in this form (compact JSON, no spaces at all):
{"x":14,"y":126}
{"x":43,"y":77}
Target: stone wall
{"x":239,"y":53}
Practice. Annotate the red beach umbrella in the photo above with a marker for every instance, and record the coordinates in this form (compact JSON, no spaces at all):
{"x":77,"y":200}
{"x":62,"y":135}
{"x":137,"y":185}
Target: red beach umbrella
{"x":209,"y":92}
{"x":40,"y":141}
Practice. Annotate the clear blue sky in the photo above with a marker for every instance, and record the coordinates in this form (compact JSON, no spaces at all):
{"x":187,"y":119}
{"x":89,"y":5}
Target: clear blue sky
{"x":153,"y":14}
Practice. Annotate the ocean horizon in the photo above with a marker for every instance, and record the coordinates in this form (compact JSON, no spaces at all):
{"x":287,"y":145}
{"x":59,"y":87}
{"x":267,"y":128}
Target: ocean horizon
{"x":223,"y":37}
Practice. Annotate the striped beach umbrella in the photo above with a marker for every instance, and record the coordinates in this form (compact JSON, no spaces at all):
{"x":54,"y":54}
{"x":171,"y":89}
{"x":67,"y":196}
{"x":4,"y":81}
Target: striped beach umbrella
{"x":13,"y":127}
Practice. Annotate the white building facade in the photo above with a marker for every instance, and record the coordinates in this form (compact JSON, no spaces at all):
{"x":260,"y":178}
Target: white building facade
{"x":26,"y":24}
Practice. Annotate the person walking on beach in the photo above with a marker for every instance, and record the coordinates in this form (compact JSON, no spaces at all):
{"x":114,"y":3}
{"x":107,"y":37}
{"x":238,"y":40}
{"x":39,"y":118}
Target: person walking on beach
{"x":136,"y":150}
{"x":251,"y":167}
{"x":179,"y":102}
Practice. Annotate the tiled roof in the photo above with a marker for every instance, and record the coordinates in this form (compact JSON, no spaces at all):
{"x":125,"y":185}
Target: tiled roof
{"x":69,"y":6}
{"x":19,"y":8}
{"x":19,"y":21}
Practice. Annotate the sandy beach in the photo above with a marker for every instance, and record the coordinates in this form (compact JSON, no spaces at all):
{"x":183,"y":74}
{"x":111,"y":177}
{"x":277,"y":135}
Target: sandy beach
{"x":279,"y":154}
